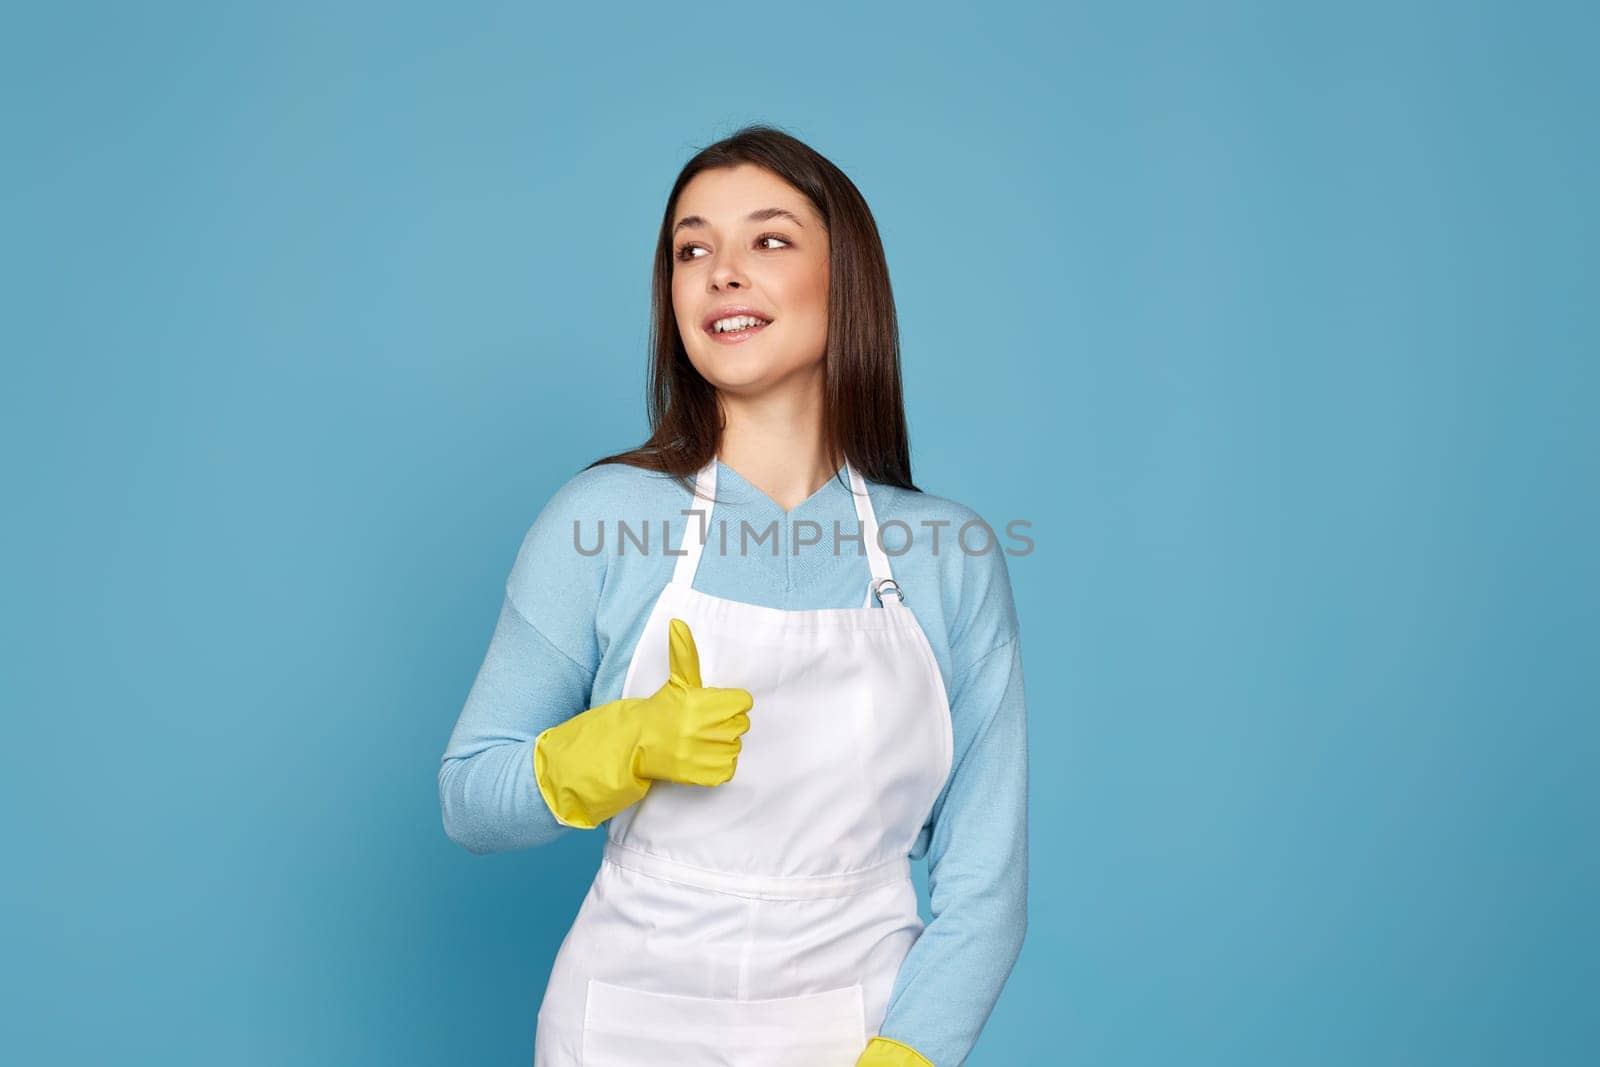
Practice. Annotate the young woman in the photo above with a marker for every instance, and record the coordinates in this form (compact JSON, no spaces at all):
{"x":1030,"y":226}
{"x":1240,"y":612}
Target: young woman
{"x":778,"y":719}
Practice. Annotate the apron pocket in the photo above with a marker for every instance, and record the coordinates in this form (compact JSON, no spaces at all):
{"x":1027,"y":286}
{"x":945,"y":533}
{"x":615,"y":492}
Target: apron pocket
{"x":625,"y":1027}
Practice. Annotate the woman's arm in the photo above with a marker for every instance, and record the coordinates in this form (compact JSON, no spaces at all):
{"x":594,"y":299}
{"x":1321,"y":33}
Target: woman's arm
{"x":977,"y":881}
{"x":487,"y":790}
{"x":539,"y":672}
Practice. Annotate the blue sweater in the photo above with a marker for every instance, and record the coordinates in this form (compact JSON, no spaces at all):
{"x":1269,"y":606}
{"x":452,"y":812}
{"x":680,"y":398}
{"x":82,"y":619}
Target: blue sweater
{"x":570,"y":621}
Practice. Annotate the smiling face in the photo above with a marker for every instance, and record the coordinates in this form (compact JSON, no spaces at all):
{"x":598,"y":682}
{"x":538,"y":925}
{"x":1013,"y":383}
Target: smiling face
{"x":747,"y":244}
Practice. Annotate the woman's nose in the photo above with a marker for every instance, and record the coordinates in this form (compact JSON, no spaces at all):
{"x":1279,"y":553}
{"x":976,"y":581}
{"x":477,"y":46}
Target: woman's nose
{"x":728,"y":274}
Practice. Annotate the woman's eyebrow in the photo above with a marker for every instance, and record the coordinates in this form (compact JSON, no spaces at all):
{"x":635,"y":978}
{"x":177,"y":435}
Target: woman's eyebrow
{"x":695,"y":221}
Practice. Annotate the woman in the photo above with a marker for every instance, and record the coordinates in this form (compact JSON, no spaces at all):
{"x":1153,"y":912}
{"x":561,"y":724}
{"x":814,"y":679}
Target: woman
{"x":773,"y":732}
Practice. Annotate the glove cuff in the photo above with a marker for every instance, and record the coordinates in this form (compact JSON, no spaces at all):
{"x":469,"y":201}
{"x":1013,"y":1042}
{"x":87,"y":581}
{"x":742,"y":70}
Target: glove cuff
{"x":887,"y":1052}
{"x":547,"y":790}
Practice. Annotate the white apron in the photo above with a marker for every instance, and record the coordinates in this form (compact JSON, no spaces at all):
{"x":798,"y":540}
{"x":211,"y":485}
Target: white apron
{"x":762,"y":922}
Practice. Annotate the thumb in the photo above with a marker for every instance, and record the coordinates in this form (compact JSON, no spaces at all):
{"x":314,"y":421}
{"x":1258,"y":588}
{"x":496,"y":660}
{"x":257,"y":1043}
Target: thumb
{"x":683,"y":659}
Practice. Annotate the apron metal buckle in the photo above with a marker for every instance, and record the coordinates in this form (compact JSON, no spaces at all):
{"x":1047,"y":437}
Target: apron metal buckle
{"x":877,"y":589}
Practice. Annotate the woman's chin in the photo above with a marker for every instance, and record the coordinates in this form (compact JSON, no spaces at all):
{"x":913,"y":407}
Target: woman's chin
{"x":750,"y":367}
{"x":740,"y":380}
{"x":738,"y":367}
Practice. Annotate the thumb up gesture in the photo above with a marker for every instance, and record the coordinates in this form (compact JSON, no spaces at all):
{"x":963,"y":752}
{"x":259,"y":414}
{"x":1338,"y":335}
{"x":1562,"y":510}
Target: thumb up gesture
{"x":688,"y":732}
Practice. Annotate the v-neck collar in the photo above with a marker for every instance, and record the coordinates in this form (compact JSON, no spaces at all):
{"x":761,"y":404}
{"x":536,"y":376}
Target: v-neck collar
{"x":726,"y":474}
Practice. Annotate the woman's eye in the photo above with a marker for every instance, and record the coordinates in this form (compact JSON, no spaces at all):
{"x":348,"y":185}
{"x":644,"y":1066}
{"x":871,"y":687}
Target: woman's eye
{"x":687,"y":252}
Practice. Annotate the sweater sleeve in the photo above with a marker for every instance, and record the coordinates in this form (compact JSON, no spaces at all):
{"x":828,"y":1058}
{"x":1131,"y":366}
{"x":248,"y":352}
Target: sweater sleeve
{"x":538,"y":672}
{"x":977,"y":860}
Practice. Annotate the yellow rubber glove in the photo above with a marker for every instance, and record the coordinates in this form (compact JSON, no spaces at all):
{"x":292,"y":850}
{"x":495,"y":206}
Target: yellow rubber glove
{"x":886,"y":1052}
{"x":604,"y":759}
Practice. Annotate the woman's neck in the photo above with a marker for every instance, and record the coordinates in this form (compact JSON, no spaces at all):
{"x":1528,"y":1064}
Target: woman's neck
{"x":775,"y":443}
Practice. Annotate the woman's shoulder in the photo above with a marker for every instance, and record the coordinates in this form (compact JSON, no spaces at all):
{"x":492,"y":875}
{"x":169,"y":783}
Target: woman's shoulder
{"x":914,"y":506}
{"x":967,"y":552}
{"x":597,"y":491}
{"x":561,"y":538}
{"x":936,"y":520}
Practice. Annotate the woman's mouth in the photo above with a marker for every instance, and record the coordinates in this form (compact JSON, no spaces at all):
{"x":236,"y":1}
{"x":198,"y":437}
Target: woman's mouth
{"x":731,"y":331}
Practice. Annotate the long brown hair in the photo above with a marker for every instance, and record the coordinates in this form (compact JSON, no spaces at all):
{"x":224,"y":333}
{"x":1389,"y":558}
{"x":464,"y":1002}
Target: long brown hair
{"x":863,"y":411}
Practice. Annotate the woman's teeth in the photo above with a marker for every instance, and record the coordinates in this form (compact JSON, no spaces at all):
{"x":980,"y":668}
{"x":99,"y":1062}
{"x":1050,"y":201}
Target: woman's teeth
{"x":738,"y":322}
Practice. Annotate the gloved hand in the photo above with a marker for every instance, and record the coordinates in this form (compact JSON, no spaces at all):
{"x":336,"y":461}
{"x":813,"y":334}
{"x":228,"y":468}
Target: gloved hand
{"x":604,"y":759}
{"x":886,"y":1052}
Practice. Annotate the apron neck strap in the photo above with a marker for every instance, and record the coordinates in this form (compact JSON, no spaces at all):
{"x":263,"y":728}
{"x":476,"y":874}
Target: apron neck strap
{"x":877,"y":559}
{"x":697,"y":524}
{"x":697,"y":528}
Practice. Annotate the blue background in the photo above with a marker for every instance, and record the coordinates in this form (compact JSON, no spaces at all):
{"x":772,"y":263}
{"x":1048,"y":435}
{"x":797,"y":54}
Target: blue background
{"x":1277,"y":321}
